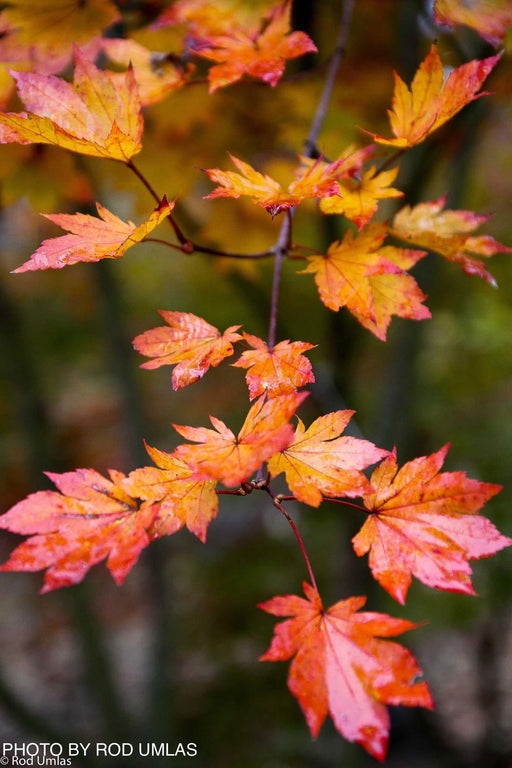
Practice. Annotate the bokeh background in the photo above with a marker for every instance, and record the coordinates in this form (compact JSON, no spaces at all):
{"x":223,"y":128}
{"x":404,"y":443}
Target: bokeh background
{"x":172,"y":655}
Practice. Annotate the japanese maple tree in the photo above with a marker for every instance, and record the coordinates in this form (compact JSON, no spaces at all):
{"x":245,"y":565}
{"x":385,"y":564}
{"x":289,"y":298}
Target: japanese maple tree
{"x":419,"y":520}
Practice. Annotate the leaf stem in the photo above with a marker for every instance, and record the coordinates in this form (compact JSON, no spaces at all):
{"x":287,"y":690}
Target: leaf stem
{"x":277,"y":503}
{"x":280,"y":250}
{"x":348,"y":504}
{"x":185,"y":242}
{"x":391,"y":159}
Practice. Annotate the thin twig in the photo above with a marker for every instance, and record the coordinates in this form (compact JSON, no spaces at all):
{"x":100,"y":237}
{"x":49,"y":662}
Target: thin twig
{"x":294,"y":528}
{"x":330,"y":80}
{"x":309,"y":150}
{"x":196,"y":248}
{"x":185,"y":242}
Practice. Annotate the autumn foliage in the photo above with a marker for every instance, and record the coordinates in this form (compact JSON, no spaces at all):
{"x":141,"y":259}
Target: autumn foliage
{"x":418,"y":520}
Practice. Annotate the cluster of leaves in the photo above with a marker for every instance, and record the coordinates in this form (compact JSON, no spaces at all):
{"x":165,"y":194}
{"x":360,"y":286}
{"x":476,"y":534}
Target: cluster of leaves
{"x":420,"y":521}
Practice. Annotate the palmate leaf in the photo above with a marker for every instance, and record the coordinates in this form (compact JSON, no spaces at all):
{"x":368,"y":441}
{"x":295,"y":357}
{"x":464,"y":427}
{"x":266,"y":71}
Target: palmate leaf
{"x":359,"y":200}
{"x":220,"y":455}
{"x":314,"y":180}
{"x":321,"y":461}
{"x":95,"y":115}
{"x":341,"y":667}
{"x":92,"y":238}
{"x":90,"y":519}
{"x":369,"y":279}
{"x":238,"y":53}
{"x":490,"y":18}
{"x":424,"y":523}
{"x":431,"y":101}
{"x":181,"y":499}
{"x":278,"y":371}
{"x":449,"y":233}
{"x":187,"y":342}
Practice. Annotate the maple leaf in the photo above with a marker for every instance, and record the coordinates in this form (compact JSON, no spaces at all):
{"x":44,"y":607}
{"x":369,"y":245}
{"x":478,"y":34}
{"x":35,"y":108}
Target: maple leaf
{"x":43,"y":33}
{"x":316,"y":180}
{"x":490,"y":18}
{"x":156,"y":73}
{"x":278,"y":371}
{"x":205,"y":19}
{"x":91,"y":519}
{"x":263,"y":56}
{"x":92,"y":238}
{"x":220,"y":455}
{"x":430,"y":102}
{"x":448,"y":233}
{"x":343,"y":668}
{"x":424,"y":523}
{"x":359,"y":200}
{"x":368,"y":279}
{"x":318,"y":461}
{"x":181,"y":500}
{"x":95,"y":115}
{"x":189,"y":343}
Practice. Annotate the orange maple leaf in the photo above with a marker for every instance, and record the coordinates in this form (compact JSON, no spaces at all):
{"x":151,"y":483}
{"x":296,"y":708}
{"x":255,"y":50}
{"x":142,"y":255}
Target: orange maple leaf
{"x":204,"y":18}
{"x":95,"y":115}
{"x":448,"y":233}
{"x":220,"y":455}
{"x":359,"y":200}
{"x":189,"y":343}
{"x":425,"y":523}
{"x":430,"y":102}
{"x":490,"y":18}
{"x":316,"y":180}
{"x":318,"y":461}
{"x":91,"y":519}
{"x":262,"y":55}
{"x":341,"y":667}
{"x":180,"y":500}
{"x":369,"y":280}
{"x":156,"y":74}
{"x":278,"y":371}
{"x":92,"y":238}
{"x":43,"y":33}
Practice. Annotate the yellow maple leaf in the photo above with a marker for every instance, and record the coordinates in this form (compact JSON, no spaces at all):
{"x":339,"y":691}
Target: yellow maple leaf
{"x":44,"y":31}
{"x":316,"y":180}
{"x":370,"y":280}
{"x":359,"y":200}
{"x":95,"y":115}
{"x":448,"y":233}
{"x":431,"y":101}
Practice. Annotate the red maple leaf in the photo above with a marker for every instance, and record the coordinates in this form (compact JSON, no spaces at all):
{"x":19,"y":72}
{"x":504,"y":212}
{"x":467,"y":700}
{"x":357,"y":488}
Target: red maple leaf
{"x":424,"y":523}
{"x":341,"y":667}
{"x":91,"y":519}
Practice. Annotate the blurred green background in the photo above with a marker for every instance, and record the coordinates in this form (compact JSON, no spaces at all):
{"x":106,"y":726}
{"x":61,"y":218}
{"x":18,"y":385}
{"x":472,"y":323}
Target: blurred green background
{"x":172,"y":655}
